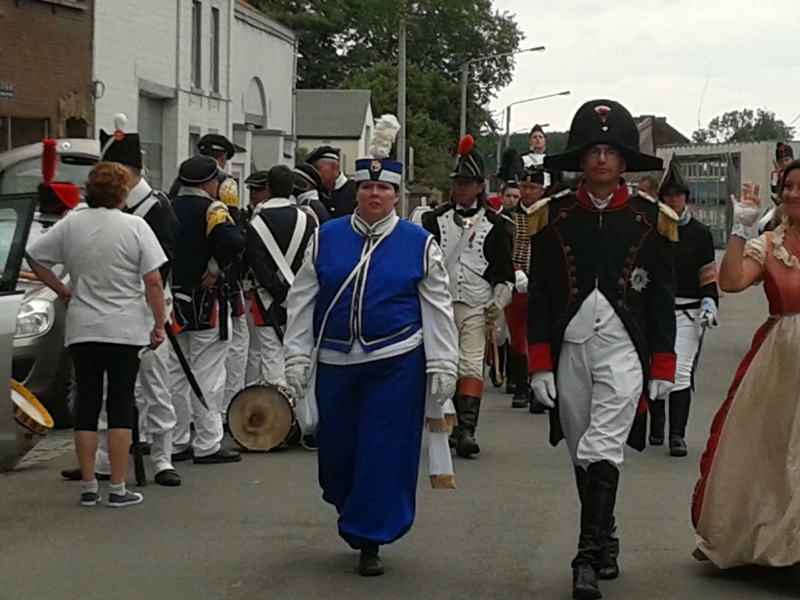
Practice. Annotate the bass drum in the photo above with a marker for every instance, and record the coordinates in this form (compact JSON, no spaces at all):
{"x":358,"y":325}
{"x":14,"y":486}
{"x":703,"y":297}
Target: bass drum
{"x":260,"y":417}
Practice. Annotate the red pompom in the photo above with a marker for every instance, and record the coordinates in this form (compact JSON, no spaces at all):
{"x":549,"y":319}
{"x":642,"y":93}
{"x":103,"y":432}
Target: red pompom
{"x":49,"y":159}
{"x":465,"y":145}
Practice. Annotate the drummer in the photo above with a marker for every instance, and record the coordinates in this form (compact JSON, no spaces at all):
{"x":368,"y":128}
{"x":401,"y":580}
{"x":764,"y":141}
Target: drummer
{"x":370,"y":388}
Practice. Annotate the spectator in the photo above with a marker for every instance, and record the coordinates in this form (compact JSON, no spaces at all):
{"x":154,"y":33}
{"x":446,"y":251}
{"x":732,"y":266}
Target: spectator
{"x":108,"y":254}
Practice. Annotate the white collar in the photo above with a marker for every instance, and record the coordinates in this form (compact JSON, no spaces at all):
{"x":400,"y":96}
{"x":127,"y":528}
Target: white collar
{"x":276,"y":203}
{"x":138,"y":193}
{"x":188,"y":190}
{"x":601,"y":203}
{"x":387,"y":223}
{"x":340,"y":182}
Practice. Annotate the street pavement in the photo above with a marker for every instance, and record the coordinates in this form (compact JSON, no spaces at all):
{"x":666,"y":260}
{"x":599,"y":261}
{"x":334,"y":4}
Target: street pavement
{"x":259,"y":530}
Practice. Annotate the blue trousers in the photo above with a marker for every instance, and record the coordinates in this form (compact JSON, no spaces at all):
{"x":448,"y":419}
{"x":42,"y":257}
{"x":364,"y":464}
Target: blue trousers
{"x":371,"y":417}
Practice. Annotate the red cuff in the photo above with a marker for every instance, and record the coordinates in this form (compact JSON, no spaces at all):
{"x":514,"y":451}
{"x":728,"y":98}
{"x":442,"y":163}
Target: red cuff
{"x":662,"y":366}
{"x":539,"y":358}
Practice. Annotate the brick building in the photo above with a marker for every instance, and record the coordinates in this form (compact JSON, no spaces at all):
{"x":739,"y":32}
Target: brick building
{"x":45,"y":70}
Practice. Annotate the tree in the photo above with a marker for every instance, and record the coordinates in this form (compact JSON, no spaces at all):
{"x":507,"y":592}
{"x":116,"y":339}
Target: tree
{"x":744,"y":125}
{"x":353,"y":44}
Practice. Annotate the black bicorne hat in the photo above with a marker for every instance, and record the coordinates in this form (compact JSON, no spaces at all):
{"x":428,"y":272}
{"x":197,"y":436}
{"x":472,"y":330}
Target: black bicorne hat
{"x":198,"y":170}
{"x":257,"y":180}
{"x":673,"y":180}
{"x":783,"y":151}
{"x":306,"y":178}
{"x":603,"y":122}
{"x":512,"y":168}
{"x":120,"y":147}
{"x":215,"y":143}
{"x":537,"y":129}
{"x":469,"y":162}
{"x":323,"y":153}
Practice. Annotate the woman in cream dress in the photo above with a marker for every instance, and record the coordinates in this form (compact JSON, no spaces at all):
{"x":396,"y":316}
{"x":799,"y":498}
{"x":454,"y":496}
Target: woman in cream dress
{"x":746,"y":507}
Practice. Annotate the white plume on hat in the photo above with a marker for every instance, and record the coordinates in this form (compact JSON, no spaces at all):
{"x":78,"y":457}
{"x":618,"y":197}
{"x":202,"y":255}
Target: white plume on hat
{"x":120,"y":120}
{"x":386,"y":128}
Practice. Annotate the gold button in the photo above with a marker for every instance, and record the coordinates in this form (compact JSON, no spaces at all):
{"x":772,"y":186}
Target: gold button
{"x":567,"y":249}
{"x":620,"y":303}
{"x":574,"y":290}
{"x":639,"y":217}
{"x":574,"y":280}
{"x":622,"y":281}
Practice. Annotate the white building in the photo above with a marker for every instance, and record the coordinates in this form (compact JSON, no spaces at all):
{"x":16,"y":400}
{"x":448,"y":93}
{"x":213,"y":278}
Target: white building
{"x":182,"y":68}
{"x":338,"y":118}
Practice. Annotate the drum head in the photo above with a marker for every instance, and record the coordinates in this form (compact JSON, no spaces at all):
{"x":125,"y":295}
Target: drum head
{"x":260,"y":417}
{"x":28,"y":411}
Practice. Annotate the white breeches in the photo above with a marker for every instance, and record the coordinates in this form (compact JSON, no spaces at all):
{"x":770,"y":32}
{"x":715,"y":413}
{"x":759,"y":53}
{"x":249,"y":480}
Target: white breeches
{"x":471,"y":324}
{"x":206,"y":354}
{"x":154,"y":400}
{"x":599,"y":385}
{"x":687,"y":343}
{"x":266,"y":361}
{"x":236,"y":363}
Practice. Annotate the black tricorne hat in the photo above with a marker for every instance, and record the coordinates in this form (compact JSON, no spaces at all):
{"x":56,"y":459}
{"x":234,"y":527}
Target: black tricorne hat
{"x":469,"y":162}
{"x":603,"y":122}
{"x":198,"y":170}
{"x":215,"y":143}
{"x":537,"y":129}
{"x":673,"y":180}
{"x":783,"y":151}
{"x":120,"y":147}
{"x":257,"y":180}
{"x":323,"y":153}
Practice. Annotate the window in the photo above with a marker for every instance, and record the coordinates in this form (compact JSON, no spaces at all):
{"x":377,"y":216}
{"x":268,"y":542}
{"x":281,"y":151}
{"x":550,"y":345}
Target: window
{"x":15,"y":132}
{"x":194,"y":140}
{"x":215,"y":50}
{"x":197,"y":55}
{"x":25,"y":176}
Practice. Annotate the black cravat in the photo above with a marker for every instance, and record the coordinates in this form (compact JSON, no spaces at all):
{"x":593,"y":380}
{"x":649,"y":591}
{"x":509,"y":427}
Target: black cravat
{"x":467,"y":212}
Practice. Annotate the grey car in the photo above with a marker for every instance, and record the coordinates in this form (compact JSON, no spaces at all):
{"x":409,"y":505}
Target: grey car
{"x":40,"y":361}
{"x":16,"y":214}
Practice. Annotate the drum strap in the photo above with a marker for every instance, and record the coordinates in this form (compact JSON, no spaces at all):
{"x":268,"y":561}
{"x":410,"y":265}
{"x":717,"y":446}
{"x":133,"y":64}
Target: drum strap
{"x":282,"y":261}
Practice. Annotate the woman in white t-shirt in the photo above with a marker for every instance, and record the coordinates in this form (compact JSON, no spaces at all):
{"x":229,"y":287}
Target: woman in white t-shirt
{"x":115,"y":307}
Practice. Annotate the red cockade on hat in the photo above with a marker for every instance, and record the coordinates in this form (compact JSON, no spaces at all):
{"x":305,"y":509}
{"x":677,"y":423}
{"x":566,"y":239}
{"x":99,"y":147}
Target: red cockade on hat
{"x":602,"y":111}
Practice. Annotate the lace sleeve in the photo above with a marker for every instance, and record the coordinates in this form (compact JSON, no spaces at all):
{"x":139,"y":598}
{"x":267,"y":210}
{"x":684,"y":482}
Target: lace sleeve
{"x":757,"y":249}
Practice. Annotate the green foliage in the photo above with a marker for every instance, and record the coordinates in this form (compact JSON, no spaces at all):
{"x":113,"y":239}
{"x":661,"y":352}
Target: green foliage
{"x":353,"y":44}
{"x":744,"y":125}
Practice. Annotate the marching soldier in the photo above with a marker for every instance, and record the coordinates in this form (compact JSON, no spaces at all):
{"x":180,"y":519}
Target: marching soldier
{"x":536,"y":155}
{"x":277,"y":236}
{"x":339,"y":196}
{"x":696,"y":300}
{"x":601,"y":323}
{"x":477,"y":252}
{"x":531,"y":188}
{"x":208,"y":242}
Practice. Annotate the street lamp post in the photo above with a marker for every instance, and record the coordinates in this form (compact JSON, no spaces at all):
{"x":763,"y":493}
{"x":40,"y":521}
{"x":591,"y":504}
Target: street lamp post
{"x":465,"y":79}
{"x":508,"y":108}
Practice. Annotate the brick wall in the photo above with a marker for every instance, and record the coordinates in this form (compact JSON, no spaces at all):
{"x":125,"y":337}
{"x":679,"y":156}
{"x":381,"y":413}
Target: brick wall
{"x":46,"y":54}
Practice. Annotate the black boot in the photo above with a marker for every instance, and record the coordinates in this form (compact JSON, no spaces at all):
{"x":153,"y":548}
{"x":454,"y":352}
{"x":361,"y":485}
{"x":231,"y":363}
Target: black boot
{"x":658,"y":417}
{"x":467,"y":411}
{"x":609,"y":568}
{"x":518,"y":373}
{"x":511,"y":381}
{"x":679,"y":403}
{"x":369,"y":564}
{"x":501,"y":358}
{"x":597,"y":511}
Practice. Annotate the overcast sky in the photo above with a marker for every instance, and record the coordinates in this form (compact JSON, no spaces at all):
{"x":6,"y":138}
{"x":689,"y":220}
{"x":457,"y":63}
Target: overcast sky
{"x":655,"y":57}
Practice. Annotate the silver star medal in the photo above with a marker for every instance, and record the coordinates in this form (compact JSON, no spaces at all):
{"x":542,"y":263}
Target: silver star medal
{"x":639,"y":279}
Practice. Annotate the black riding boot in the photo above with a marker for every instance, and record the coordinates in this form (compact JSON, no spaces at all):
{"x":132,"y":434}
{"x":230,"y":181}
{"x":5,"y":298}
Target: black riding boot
{"x":467,"y":411}
{"x":609,"y":567}
{"x":518,"y":372}
{"x":658,"y":418}
{"x":597,"y":512}
{"x":502,"y":362}
{"x":679,"y":403}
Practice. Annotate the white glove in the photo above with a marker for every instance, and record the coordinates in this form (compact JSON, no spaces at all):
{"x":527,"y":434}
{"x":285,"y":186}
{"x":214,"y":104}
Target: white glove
{"x":500,"y":299}
{"x":708,"y":313}
{"x":659,"y":389}
{"x":746,"y":211}
{"x":521,"y":283}
{"x":543,"y":386}
{"x":296,"y":373}
{"x":443,"y":387}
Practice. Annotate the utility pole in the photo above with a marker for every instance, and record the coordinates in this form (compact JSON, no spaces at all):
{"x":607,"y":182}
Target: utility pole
{"x":401,"y":116}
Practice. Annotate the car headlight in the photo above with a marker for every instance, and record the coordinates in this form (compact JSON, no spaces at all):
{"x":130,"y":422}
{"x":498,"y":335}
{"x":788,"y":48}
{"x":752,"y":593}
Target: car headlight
{"x":35,"y":318}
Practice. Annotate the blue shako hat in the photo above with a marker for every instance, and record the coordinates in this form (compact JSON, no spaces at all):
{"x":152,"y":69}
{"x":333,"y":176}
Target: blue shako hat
{"x":379,"y":167}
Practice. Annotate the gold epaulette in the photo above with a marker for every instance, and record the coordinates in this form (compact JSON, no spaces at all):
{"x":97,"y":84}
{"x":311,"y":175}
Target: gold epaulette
{"x":216,"y":213}
{"x":538,"y":215}
{"x":667,"y":218}
{"x":228,"y":193}
{"x":667,"y":222}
